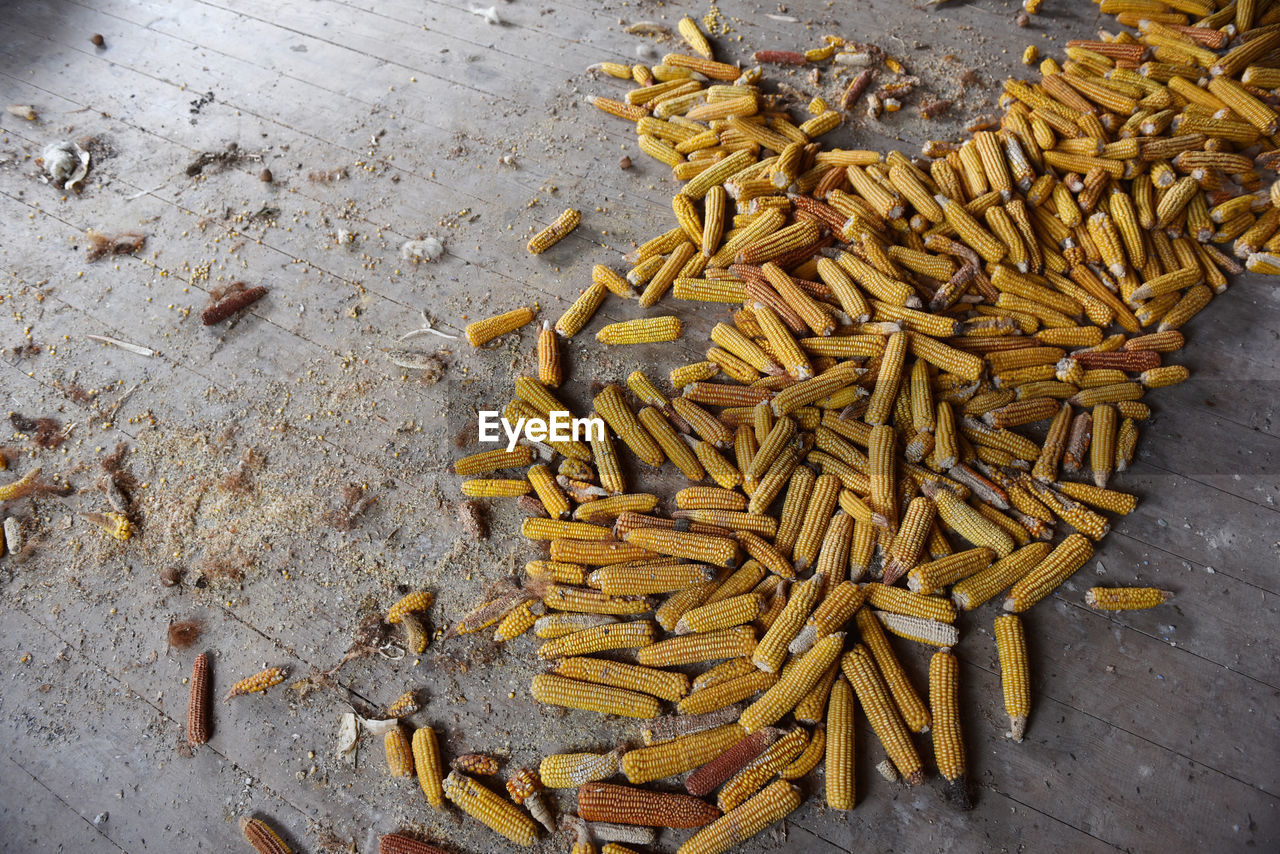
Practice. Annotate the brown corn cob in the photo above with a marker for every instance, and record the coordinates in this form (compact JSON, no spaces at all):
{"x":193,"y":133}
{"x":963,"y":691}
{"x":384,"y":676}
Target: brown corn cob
{"x":398,"y":843}
{"x":262,"y":837}
{"x":630,"y":805}
{"x":198,"y":704}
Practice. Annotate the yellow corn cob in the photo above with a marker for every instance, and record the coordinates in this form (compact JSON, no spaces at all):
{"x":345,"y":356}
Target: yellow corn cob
{"x":900,"y":601}
{"x":872,"y":693}
{"x":913,"y":710}
{"x":732,"y":642}
{"x":494,"y":488}
{"x":909,"y":541}
{"x":561,"y":691}
{"x":694,"y":372}
{"x":775,"y":757}
{"x":550,"y":369}
{"x":627,"y":580}
{"x":734,"y":611}
{"x":1061,"y":563}
{"x":399,"y":755}
{"x":839,"y":743}
{"x":258,"y":682}
{"x":535,"y":528}
{"x":426,"y":760}
{"x":613,"y":281}
{"x":836,"y":609}
{"x":948,"y":745}
{"x":703,"y":548}
{"x":1121,"y":503}
{"x":723,"y":672}
{"x":598,"y":638}
{"x":1102,"y":450}
{"x":548,"y":491}
{"x":1125,"y":598}
{"x":482,"y":804}
{"x":519,"y":620}
{"x":1126,"y":445}
{"x":483,"y":331}
{"x":968,"y":522}
{"x":1011,"y":642}
{"x":927,"y":578}
{"x":673,"y":757}
{"x":571,"y":770}
{"x":772,"y":648}
{"x":817,"y":516}
{"x":646,"y":330}
{"x":793,"y":685}
{"x":491,"y":461}
{"x":726,"y":693}
{"x":774,"y":803}
{"x":419,"y":600}
{"x":554,"y":233}
{"x":812,"y":708}
{"x":746,"y":578}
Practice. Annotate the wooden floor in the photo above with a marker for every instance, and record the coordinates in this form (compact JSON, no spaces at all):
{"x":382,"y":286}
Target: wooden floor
{"x":1151,"y":732}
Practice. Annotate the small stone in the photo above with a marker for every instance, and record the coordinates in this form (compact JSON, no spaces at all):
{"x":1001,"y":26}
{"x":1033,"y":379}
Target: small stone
{"x":171,"y":576}
{"x":101,"y":818}
{"x":1023,"y":19}
{"x":624,"y":162}
{"x":265,"y":176}
{"x":97,"y":40}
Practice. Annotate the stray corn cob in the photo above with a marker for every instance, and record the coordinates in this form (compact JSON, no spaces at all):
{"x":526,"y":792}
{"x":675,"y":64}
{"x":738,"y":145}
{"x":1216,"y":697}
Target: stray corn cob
{"x":398,"y":843}
{"x":482,"y":804}
{"x":554,"y":233}
{"x":418,"y":600}
{"x":525,"y":788}
{"x":262,"y":837}
{"x":839,"y":747}
{"x":399,"y":754}
{"x":1011,"y":642}
{"x":483,"y":331}
{"x":258,"y":682}
{"x":426,"y":761}
{"x":874,"y":697}
{"x":560,"y":691}
{"x":948,"y":745}
{"x":198,"y":703}
{"x":1125,"y":598}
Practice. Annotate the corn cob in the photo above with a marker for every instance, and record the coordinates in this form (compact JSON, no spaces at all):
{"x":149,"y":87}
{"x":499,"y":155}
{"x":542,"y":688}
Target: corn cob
{"x":258,"y":682}
{"x":262,"y":837}
{"x":690,"y":649}
{"x":794,"y":684}
{"x":483,"y":331}
{"x":727,"y":693}
{"x":1061,"y":563}
{"x":554,"y":233}
{"x":1125,"y":598}
{"x":774,"y":803}
{"x":629,"y":805}
{"x":757,"y":772}
{"x":772,"y":648}
{"x":948,"y":745}
{"x":599,"y":638}
{"x":398,"y":843}
{"x":646,"y":330}
{"x":874,"y":697}
{"x":1012,"y":646}
{"x":571,"y":770}
{"x":482,"y":804}
{"x":919,"y":629}
{"x":574,"y":694}
{"x":679,"y":755}
{"x":198,"y":702}
{"x":927,"y":578}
